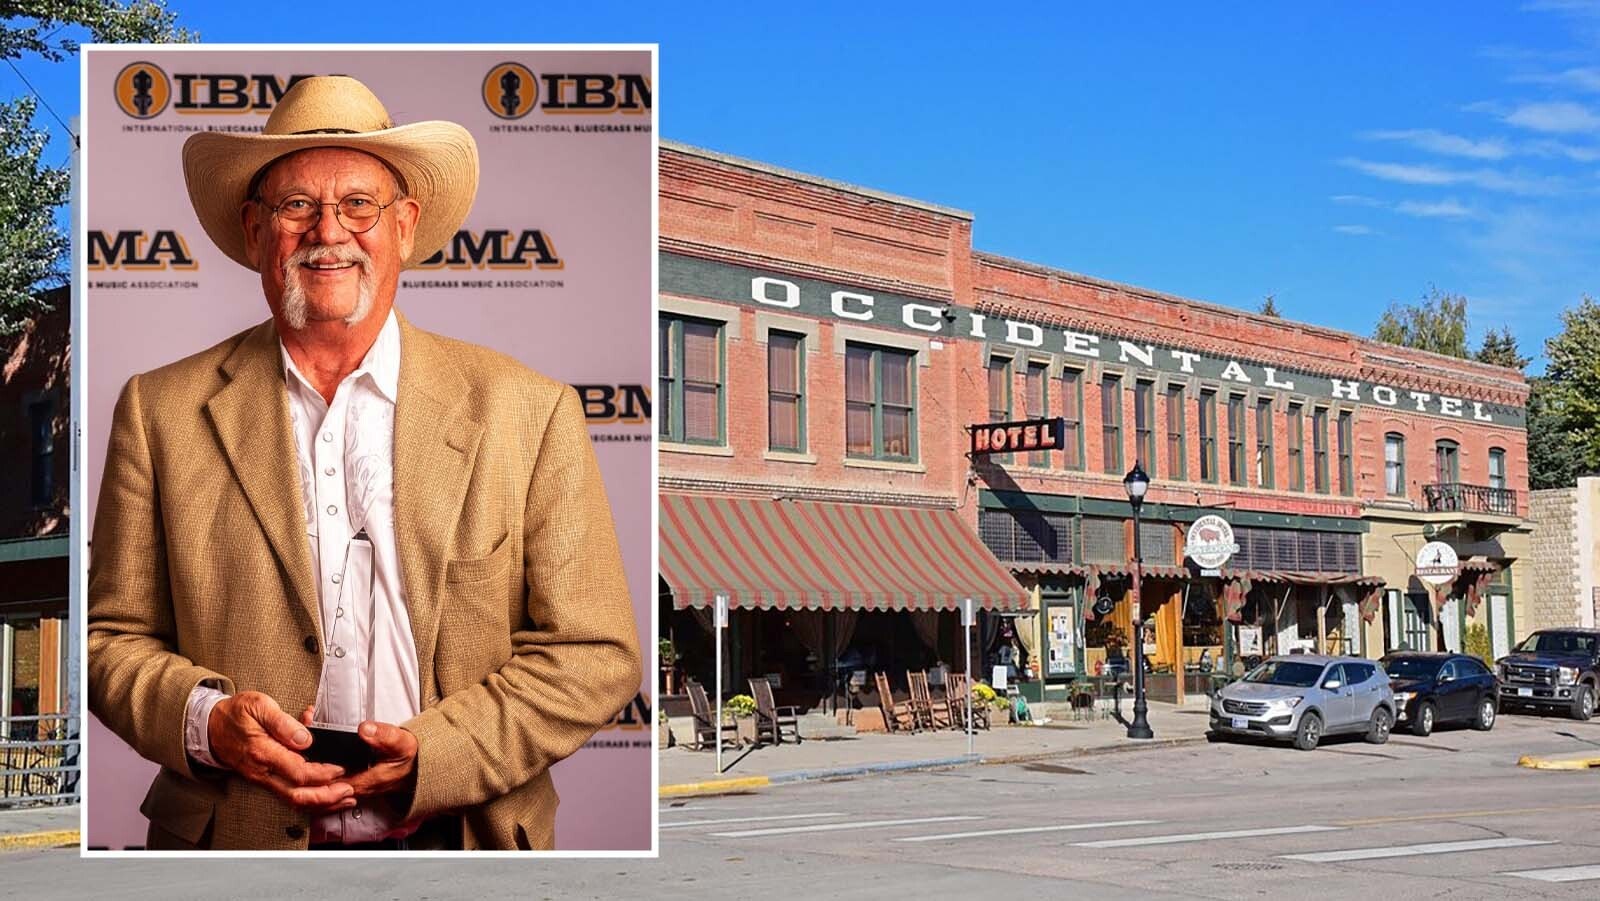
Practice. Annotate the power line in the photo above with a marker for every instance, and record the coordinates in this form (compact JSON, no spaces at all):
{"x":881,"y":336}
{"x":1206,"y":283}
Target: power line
{"x":64,"y":126}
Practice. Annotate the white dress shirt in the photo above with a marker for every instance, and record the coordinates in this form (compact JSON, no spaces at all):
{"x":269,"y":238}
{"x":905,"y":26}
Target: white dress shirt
{"x":369,"y":661}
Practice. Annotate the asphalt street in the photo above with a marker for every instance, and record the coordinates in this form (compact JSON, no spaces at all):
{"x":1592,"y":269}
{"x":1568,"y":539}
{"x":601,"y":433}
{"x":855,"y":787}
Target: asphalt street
{"x":1448,"y":815}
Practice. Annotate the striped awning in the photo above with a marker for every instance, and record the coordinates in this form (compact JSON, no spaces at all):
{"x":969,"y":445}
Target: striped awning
{"x":788,"y":554}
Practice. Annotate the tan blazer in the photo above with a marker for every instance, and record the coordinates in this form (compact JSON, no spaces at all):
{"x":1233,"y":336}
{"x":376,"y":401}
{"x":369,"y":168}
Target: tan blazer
{"x":200,"y":571}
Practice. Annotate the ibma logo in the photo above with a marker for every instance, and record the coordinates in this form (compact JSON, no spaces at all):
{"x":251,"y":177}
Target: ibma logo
{"x":144,"y":90}
{"x":614,"y":403}
{"x":512,"y":90}
{"x":496,"y":248}
{"x":634,"y":716}
{"x":139,"y":250}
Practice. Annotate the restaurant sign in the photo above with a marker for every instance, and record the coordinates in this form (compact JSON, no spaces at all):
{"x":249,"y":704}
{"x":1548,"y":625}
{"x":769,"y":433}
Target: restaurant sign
{"x":1437,"y":563}
{"x":1005,"y":437}
{"x":1210,"y":542}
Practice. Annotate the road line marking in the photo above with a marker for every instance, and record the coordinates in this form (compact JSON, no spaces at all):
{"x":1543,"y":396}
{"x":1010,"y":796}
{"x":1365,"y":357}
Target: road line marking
{"x":1481,"y":844}
{"x":836,"y":827}
{"x":1560,"y":874}
{"x":683,"y":824}
{"x":1462,"y":814}
{"x":1027,"y":830}
{"x":1201,"y":836}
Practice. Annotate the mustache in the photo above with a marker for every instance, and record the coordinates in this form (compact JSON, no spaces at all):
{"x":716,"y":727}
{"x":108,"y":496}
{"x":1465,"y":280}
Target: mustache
{"x":323,"y":254}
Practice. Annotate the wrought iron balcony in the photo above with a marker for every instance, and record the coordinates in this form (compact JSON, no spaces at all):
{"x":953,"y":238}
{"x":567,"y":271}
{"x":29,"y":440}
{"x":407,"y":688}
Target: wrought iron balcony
{"x":1458,"y":497}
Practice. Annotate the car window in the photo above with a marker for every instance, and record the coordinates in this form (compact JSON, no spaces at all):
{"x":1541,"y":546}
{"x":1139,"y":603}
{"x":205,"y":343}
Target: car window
{"x":1335,"y":671}
{"x":1362,"y":672}
{"x":1471,"y":668}
{"x":1558,"y":643}
{"x":1448,"y":671}
{"x":1411,"y":667}
{"x":1285,"y":672}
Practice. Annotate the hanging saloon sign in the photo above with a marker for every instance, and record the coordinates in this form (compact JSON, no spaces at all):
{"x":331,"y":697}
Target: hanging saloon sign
{"x":1210,"y":543}
{"x":1005,"y":437}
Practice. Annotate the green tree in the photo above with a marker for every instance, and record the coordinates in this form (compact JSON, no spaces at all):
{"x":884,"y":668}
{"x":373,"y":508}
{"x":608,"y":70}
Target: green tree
{"x":1438,"y":323}
{"x":1269,"y":307}
{"x":33,"y":246}
{"x":1500,"y":348}
{"x":1554,"y":461}
{"x":1571,"y":386}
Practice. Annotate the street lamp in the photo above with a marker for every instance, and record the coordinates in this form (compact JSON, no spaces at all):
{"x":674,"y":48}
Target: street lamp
{"x":1137,"y":483}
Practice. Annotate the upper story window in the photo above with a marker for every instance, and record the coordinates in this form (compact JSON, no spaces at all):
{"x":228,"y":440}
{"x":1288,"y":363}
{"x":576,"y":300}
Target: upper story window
{"x":41,"y":428}
{"x":1497,"y":467}
{"x":1144,"y":419}
{"x":1319,"y":449}
{"x":1111,"y":424}
{"x":1000,"y":396}
{"x":1038,"y":400}
{"x":786,"y":398}
{"x":1295,"y":421}
{"x":691,"y":404}
{"x":1236,"y":460}
{"x":880,"y":413}
{"x":1264,"y":442}
{"x":1446,"y":461}
{"x":1072,"y":417}
{"x":1394,"y":464}
{"x":1208,"y":436}
{"x":1177,"y":441}
{"x":1346,"y":439}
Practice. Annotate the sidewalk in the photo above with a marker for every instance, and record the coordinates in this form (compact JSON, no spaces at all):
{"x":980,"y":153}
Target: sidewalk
{"x":39,"y":827}
{"x":835,"y":753}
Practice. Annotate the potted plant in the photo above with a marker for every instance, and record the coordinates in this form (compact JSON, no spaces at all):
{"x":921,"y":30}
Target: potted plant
{"x":1080,"y":695}
{"x":743,"y":710}
{"x":669,"y":666}
{"x":663,"y":730}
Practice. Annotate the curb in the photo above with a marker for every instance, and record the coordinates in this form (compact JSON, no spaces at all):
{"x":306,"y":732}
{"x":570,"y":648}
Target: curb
{"x":1570,"y":763}
{"x":53,"y":838}
{"x":722,"y":786}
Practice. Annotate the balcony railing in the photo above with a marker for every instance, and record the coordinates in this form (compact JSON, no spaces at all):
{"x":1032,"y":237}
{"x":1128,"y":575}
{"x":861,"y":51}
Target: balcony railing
{"x":1457,"y":497}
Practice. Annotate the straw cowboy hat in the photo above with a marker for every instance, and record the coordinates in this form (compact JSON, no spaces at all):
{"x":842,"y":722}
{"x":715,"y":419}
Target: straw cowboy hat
{"x":437,"y":161}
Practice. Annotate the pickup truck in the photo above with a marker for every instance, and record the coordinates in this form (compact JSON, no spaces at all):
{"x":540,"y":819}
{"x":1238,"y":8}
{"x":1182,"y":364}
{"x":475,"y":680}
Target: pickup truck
{"x":1553,"y":669}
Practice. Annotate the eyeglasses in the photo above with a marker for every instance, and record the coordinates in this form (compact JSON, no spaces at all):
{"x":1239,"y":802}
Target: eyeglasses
{"x":358,"y":213}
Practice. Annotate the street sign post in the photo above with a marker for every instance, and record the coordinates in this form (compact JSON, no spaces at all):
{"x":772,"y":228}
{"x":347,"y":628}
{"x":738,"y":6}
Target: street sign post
{"x":968,"y":618}
{"x":721,"y":618}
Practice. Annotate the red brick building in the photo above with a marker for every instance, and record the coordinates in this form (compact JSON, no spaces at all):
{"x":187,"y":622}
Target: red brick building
{"x":828,"y":345}
{"x":36,"y":460}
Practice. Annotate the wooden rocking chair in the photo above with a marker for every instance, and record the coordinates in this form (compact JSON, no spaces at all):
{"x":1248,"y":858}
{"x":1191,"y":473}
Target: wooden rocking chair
{"x":959,"y":695}
{"x":771,"y":719}
{"x":705,"y":719}
{"x":897,"y":715}
{"x":930,"y":713}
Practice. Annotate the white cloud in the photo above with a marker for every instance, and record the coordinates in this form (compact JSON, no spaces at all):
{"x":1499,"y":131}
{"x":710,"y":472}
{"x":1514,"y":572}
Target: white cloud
{"x":1582,"y":78}
{"x":1427,"y":174}
{"x":1444,"y":209}
{"x":1442,"y":142}
{"x":1556,"y":117}
{"x":1576,"y":153}
{"x":1353,"y":230}
{"x":1357,"y":200}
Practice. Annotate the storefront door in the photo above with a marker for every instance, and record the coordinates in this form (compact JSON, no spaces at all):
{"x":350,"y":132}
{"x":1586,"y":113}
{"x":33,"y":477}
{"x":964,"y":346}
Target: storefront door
{"x":1416,"y":614}
{"x":1061,"y":640}
{"x":1450,"y":619}
{"x":1499,"y":625}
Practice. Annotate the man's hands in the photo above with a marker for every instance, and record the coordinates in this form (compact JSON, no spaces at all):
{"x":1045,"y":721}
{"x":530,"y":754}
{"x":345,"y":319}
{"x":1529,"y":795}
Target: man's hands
{"x":251,"y":735}
{"x":395,"y":767}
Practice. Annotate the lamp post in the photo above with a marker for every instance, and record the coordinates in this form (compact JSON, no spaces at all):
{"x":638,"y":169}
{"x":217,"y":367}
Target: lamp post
{"x":1137,"y":483}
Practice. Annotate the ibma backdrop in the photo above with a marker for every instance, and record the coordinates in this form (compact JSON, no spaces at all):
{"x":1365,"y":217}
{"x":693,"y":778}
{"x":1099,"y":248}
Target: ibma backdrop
{"x":552,"y":267}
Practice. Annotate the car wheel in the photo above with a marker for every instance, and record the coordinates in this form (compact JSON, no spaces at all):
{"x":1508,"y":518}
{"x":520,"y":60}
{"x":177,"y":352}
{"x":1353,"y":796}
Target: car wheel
{"x":1422,"y":726}
{"x":1309,"y":733}
{"x":1486,"y":714}
{"x":1378,"y":729}
{"x":1583,"y":703}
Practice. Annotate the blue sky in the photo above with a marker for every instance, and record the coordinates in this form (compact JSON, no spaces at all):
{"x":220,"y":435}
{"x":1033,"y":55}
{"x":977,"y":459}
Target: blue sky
{"x":1337,"y":157}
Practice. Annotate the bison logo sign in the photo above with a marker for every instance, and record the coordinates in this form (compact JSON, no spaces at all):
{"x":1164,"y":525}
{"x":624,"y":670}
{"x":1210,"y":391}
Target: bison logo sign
{"x":1210,"y":542}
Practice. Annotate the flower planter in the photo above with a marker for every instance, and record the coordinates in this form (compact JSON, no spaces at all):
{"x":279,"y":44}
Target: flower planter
{"x":663,"y":736}
{"x":746,"y":726}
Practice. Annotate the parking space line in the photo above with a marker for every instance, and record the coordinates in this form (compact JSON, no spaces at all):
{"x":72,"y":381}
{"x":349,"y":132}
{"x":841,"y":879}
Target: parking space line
{"x":683,"y":824}
{"x":1481,"y":844}
{"x":1026,"y":830}
{"x":1464,"y":814}
{"x":839,"y":827}
{"x":1560,"y":874}
{"x":1202,"y":836}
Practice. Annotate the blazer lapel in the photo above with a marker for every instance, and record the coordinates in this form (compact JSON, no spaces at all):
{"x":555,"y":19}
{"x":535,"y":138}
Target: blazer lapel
{"x":251,"y":417}
{"x":435,"y":448}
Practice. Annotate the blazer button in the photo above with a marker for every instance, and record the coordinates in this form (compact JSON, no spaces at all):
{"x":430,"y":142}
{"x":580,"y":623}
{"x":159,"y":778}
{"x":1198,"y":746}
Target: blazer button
{"x":295,"y":832}
{"x":311,"y":644}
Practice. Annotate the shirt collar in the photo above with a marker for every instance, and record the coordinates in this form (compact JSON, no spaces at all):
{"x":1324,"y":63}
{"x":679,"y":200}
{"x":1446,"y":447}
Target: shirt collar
{"x":381,"y":365}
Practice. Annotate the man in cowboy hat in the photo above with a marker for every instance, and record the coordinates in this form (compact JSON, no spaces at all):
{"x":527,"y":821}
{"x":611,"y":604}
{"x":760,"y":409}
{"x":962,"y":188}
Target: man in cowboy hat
{"x":336,"y":516}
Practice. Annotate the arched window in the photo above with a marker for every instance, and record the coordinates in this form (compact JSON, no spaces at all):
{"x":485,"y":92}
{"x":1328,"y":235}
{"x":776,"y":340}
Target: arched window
{"x":1497,"y":467}
{"x":1447,"y":461}
{"x":1394,"y":464}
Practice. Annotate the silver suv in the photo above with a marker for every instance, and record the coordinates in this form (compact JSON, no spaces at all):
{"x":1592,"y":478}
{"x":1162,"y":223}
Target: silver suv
{"x":1304,"y":697}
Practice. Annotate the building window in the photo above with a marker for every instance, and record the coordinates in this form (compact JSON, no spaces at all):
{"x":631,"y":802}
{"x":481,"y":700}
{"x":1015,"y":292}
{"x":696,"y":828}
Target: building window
{"x":41,"y":428}
{"x":1038,"y":400}
{"x":1264,"y":442}
{"x":1297,"y":447}
{"x":1177,"y":442}
{"x":1446,"y":462}
{"x":1497,"y":467}
{"x":1208,"y":436}
{"x":1144,"y":420}
{"x":1346,"y":436}
{"x":1394,"y":464}
{"x":1072,"y":417}
{"x":1000,"y":397}
{"x":690,"y":380}
{"x":786,"y":398}
{"x":880,"y":413}
{"x":1111,"y":424}
{"x":1319,"y":449}
{"x":1236,"y":440}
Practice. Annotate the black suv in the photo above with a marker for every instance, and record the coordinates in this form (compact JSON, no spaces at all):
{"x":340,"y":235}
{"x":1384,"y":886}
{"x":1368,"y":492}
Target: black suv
{"x":1553,"y":669}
